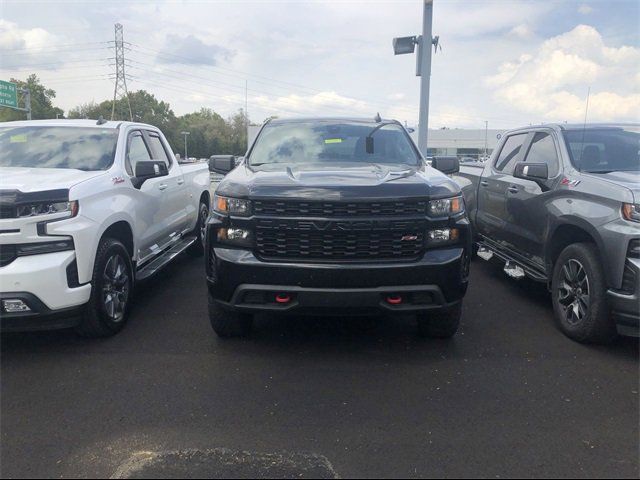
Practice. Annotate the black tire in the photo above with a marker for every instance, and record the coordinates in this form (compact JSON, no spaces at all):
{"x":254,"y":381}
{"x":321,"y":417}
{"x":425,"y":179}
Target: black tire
{"x":440,"y":323}
{"x":584,"y":317}
{"x":228,"y":324}
{"x":197,"y":249}
{"x":111,"y":291}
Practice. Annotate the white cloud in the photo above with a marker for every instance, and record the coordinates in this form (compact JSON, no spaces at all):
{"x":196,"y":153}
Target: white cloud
{"x":585,"y":9}
{"x":553,"y":82}
{"x":14,"y":38}
{"x":522,"y":30}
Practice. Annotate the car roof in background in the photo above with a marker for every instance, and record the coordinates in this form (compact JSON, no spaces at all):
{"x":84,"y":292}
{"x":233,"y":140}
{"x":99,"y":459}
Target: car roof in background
{"x":73,"y":123}
{"x":278,"y":121}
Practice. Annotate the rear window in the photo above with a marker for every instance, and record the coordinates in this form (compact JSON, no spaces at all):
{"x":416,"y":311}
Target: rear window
{"x":329,"y":142}
{"x":78,"y":148}
{"x":604,"y":149}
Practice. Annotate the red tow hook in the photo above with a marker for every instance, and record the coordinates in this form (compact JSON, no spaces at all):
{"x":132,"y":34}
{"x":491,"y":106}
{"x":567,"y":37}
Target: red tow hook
{"x":394,"y":299}
{"x":283,"y":298}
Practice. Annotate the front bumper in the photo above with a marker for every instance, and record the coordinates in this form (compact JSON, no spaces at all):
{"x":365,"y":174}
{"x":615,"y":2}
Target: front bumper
{"x":240,"y":281}
{"x":625,"y":307}
{"x":41,"y":282}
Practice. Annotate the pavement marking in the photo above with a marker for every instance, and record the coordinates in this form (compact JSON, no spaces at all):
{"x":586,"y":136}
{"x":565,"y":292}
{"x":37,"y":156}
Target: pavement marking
{"x":224,"y":463}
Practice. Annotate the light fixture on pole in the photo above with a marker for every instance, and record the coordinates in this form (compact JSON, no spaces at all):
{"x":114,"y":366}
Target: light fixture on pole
{"x":186,"y":156}
{"x":405,"y":45}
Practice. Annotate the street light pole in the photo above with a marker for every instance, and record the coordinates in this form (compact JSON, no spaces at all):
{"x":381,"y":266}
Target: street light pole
{"x":186,"y":156}
{"x":424,"y":52}
{"x":404,"y":45}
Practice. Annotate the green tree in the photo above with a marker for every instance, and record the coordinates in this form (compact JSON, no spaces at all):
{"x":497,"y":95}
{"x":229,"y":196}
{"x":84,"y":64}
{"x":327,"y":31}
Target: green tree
{"x":41,"y":102}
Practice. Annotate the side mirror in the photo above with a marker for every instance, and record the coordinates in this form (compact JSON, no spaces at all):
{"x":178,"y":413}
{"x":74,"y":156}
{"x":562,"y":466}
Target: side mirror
{"x":448,"y":165}
{"x":146,"y":169}
{"x":222,"y":163}
{"x":531,"y":171}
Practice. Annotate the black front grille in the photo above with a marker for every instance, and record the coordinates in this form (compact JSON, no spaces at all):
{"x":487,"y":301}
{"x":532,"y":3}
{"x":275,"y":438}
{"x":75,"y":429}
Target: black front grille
{"x":338,"y":209}
{"x":339,"y":245}
{"x":7,"y":211}
{"x":7,"y":254}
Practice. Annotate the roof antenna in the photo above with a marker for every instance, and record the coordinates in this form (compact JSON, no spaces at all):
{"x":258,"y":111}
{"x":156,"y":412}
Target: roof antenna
{"x":101,"y":121}
{"x":377,"y":118}
{"x":584,"y":128}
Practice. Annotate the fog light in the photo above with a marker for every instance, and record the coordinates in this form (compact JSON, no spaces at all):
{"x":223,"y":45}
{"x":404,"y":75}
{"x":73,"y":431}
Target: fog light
{"x":442,"y":235}
{"x":15,"y":305}
{"x":234,"y":235}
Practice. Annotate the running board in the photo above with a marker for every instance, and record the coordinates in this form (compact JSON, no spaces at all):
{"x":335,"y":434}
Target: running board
{"x":512,"y":267}
{"x":155,"y":265}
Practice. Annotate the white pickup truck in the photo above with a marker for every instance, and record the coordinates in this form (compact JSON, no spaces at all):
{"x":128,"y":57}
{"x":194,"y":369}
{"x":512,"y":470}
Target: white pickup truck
{"x":87,"y":208}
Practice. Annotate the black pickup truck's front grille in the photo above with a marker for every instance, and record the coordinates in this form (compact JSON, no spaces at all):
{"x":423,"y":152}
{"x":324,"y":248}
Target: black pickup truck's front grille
{"x":338,"y":209}
{"x":338,"y":245}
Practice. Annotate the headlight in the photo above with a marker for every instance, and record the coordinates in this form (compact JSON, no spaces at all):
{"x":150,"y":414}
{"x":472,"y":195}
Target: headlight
{"x":232,"y":206}
{"x":442,"y":235}
{"x":631,"y":212}
{"x":446,"y":207}
{"x":45,"y":208}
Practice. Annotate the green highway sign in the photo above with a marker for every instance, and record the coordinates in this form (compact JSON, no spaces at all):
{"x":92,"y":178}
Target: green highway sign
{"x":8,"y":94}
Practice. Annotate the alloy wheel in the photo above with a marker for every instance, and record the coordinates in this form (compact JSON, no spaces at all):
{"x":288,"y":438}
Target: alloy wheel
{"x":573,"y":292}
{"x":116,"y":286}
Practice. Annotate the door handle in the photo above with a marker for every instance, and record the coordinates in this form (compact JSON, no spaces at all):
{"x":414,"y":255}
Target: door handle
{"x":180,"y":181}
{"x":162,"y":186}
{"x":484,"y":183}
{"x":513,"y":189}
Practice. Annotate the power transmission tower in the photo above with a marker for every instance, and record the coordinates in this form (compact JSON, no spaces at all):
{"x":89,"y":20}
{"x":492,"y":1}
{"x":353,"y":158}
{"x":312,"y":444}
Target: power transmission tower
{"x":120,"y":92}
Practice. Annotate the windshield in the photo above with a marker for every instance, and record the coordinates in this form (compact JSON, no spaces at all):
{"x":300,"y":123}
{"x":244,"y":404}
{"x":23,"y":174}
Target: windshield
{"x":325,"y":142}
{"x":58,"y":147}
{"x":605,"y":149}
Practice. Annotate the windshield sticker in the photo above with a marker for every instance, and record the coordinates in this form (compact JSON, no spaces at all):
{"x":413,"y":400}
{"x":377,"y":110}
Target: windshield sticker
{"x":332,"y":140}
{"x":18,"y":138}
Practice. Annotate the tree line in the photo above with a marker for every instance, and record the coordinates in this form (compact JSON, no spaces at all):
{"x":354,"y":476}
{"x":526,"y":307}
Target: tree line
{"x":210,"y":133}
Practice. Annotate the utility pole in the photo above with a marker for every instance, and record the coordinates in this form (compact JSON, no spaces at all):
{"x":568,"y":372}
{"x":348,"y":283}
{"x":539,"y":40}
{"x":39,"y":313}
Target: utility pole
{"x":120,"y":90}
{"x":404,"y":45}
{"x":486,"y":132}
{"x":186,"y":155}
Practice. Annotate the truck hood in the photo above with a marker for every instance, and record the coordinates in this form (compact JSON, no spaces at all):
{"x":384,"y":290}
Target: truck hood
{"x":630,"y":180}
{"x":337,"y":181}
{"x":39,"y":179}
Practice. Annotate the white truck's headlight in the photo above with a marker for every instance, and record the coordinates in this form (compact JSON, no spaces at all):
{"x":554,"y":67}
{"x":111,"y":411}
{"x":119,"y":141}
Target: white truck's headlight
{"x":446,"y":207}
{"x":631,"y":212}
{"x":232,"y":206}
{"x":47,"y":208}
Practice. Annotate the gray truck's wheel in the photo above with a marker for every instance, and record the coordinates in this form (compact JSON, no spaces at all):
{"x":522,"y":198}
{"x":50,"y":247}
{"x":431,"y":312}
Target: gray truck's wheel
{"x":111,"y":291}
{"x":228,"y":324}
{"x":197,"y":249}
{"x":440,"y":324}
{"x":578,"y":290}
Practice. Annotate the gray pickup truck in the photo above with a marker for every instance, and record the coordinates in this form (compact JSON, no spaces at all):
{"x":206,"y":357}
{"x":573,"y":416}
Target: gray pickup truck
{"x":561,"y":204}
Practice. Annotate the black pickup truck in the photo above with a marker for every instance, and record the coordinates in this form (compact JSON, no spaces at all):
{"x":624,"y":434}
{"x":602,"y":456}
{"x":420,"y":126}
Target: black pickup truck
{"x":561,"y":204}
{"x":336,"y":216}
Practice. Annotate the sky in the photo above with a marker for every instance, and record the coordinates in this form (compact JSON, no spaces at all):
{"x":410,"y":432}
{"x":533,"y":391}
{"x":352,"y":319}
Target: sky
{"x":505,"y":62}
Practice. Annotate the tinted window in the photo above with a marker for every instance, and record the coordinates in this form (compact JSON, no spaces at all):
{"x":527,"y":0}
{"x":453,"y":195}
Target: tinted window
{"x":605,"y":149}
{"x":137,"y":152}
{"x":510,"y":152}
{"x":543,"y":150}
{"x":327,"y":142}
{"x":58,"y":147}
{"x":158,"y":150}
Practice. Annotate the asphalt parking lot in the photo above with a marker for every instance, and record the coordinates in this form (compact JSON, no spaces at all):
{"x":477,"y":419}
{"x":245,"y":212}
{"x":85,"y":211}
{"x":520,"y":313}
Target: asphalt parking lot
{"x":509,"y":396}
